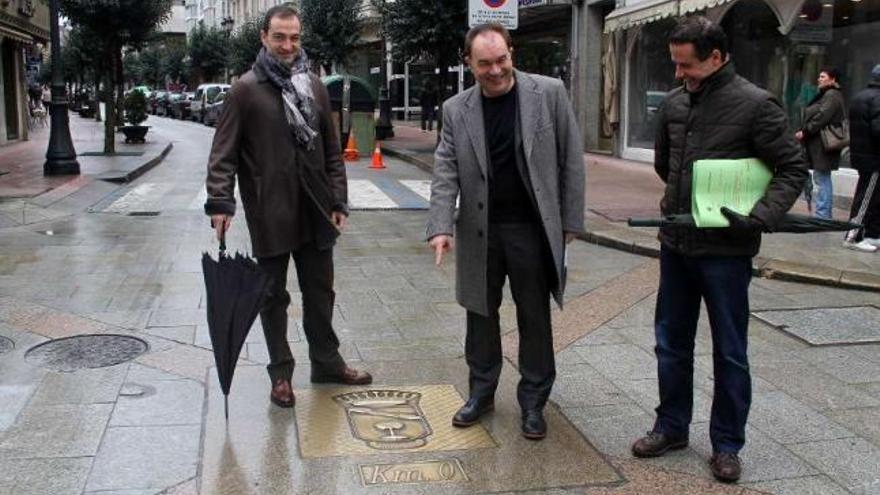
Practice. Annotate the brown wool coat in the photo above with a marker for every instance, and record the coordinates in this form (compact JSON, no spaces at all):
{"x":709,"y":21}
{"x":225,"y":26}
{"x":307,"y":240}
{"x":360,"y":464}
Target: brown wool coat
{"x":281,"y":183}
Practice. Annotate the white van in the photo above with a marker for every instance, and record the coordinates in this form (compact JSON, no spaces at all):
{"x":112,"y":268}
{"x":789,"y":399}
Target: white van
{"x":205,"y":95}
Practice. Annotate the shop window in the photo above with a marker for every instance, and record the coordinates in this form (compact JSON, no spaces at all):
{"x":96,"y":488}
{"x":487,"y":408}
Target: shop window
{"x":651,"y":75}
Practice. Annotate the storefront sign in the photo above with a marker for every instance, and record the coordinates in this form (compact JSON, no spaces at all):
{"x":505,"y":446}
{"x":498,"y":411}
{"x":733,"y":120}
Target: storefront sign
{"x":504,"y":12}
{"x":524,"y":4}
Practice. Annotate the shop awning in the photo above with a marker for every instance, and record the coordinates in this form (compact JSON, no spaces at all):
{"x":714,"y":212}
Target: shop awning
{"x":21,"y":37}
{"x":640,"y":13}
{"x":688,"y":6}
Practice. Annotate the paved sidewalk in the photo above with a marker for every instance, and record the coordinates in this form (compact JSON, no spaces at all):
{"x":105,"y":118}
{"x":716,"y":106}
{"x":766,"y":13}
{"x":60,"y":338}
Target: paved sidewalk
{"x":619,"y":189}
{"x":27,"y":196}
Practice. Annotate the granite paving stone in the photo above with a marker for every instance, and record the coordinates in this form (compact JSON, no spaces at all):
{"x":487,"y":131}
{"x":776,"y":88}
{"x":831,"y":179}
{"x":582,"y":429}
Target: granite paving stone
{"x":788,"y":421}
{"x":86,"y":386}
{"x":863,"y":422}
{"x":428,"y":348}
{"x":844,"y":363}
{"x":70,"y":430}
{"x":854,"y":463}
{"x":810,"y":485}
{"x":145,"y":458}
{"x":813,"y":387}
{"x":44,"y":476}
{"x":621,"y":361}
{"x":612,"y":429}
{"x":161,"y":402}
{"x":582,"y":386}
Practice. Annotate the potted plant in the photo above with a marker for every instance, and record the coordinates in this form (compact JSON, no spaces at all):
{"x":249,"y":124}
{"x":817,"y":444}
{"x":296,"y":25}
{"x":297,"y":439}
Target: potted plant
{"x":135,"y":112}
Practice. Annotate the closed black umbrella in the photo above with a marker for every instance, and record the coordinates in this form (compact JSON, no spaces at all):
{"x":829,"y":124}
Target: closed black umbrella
{"x":791,"y":222}
{"x":236,"y":288}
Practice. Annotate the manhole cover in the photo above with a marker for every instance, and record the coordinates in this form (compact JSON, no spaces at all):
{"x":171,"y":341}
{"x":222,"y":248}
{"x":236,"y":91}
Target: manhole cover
{"x":6,"y":345}
{"x":827,"y":326}
{"x":85,"y":351}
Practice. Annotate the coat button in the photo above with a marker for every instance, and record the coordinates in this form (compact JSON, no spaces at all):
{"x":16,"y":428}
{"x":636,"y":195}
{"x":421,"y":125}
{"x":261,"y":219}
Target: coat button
{"x":479,"y":233}
{"x":480,"y":206}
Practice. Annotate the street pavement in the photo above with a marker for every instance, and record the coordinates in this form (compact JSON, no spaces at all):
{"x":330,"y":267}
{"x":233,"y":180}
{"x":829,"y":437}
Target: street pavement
{"x":127,"y":262}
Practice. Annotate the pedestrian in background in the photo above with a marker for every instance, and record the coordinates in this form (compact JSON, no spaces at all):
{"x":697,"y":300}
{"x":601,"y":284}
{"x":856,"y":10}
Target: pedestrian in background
{"x":277,"y":137}
{"x":428,"y":102}
{"x":46,"y":97}
{"x":864,"y":155}
{"x":715,"y":114}
{"x":826,"y":108}
{"x":511,"y":151}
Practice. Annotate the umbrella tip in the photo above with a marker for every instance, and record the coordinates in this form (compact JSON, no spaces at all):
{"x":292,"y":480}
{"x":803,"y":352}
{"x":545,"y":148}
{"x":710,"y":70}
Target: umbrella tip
{"x":226,"y":406}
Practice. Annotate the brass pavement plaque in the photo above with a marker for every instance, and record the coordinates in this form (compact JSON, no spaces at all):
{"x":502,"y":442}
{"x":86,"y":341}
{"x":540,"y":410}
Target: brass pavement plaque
{"x":414,"y":472}
{"x":343,"y":421}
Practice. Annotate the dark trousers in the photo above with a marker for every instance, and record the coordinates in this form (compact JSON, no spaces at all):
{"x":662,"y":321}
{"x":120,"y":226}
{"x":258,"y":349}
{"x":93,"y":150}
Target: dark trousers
{"x":314,"y":270}
{"x":866,"y":207}
{"x":723,"y":282}
{"x":429,"y":115}
{"x":519,"y":252}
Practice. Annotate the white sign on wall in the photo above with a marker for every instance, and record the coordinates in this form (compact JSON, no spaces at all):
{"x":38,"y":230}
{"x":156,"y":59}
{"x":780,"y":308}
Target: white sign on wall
{"x":504,"y":12}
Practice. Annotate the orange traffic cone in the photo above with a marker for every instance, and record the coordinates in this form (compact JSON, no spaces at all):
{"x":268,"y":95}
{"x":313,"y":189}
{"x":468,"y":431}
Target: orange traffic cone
{"x":378,"y":162}
{"x":351,"y":153}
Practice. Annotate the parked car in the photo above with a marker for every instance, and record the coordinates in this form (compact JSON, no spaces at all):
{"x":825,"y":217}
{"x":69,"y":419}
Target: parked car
{"x":204,"y":96}
{"x":180,"y":107}
{"x":213,"y":110}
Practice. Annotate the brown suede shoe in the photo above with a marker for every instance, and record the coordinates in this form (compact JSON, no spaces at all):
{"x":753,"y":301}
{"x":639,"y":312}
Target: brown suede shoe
{"x":282,"y":394}
{"x":348,"y":376}
{"x":655,"y":444}
{"x":726,"y":467}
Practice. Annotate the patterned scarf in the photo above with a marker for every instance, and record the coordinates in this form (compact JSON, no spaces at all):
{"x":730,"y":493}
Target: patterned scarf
{"x":296,"y":91}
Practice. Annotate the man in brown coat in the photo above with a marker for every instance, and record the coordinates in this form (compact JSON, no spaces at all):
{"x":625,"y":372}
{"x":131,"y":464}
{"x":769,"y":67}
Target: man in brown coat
{"x":277,"y":136}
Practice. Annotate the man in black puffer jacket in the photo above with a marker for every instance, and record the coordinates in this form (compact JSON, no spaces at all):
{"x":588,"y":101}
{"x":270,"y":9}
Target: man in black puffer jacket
{"x":864,"y":155}
{"x":716,"y":114}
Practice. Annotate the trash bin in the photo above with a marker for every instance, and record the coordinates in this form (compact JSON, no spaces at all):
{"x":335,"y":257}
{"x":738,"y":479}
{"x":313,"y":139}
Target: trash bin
{"x":353,"y":103}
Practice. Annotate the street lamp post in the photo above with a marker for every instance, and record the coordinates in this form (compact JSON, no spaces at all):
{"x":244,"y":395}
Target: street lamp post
{"x":384,"y":129}
{"x":60,"y":156}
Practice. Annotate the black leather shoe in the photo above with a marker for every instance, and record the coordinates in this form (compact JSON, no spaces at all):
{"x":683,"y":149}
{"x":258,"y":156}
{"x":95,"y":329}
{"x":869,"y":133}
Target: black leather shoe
{"x":472,"y":410}
{"x":346,"y":376}
{"x":533,"y":425}
{"x":726,"y":467}
{"x":655,"y":444}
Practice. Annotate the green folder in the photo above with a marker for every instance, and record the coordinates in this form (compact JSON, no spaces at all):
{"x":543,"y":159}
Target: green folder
{"x":736,"y":184}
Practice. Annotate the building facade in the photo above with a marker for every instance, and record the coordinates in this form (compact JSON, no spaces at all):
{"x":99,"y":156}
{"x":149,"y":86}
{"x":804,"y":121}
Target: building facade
{"x":24,"y":29}
{"x":780,"y":45}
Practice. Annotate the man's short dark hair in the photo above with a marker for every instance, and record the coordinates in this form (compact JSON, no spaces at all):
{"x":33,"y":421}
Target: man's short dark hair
{"x":284,"y":11}
{"x":831,"y":72}
{"x":704,"y":34}
{"x":485,"y":28}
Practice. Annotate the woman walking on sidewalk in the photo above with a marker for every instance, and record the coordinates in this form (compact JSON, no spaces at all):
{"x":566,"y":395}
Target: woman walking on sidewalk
{"x":824,"y":109}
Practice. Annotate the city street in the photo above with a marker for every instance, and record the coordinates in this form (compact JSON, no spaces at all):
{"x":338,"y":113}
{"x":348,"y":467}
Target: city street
{"x":137,"y":409}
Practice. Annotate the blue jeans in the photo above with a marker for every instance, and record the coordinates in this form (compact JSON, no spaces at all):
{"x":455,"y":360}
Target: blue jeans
{"x":825,"y":194}
{"x":723,"y":282}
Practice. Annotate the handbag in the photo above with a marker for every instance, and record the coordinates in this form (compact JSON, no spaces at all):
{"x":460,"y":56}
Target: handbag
{"x":835,"y":137}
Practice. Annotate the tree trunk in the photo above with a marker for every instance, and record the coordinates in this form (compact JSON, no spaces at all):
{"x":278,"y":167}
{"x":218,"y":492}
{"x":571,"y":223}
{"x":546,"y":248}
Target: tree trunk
{"x":109,"y":104}
{"x":120,"y":87}
{"x":98,"y":74}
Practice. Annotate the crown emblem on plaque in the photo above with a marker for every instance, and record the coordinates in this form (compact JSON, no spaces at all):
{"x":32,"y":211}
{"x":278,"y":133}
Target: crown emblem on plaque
{"x":386,"y":419}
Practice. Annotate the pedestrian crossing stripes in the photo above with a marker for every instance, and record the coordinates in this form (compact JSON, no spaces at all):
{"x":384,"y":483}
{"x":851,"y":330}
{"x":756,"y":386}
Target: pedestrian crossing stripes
{"x":363,"y":194}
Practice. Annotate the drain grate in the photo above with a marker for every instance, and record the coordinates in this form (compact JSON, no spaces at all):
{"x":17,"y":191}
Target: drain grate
{"x":6,"y":345}
{"x":827,"y":326}
{"x":144,"y":213}
{"x":85,"y":352}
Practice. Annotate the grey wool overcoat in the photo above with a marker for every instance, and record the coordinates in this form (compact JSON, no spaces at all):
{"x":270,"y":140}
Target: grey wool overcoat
{"x":548,"y":139}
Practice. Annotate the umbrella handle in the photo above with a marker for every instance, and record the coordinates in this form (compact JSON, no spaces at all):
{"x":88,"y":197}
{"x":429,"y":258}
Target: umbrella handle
{"x":223,"y":242}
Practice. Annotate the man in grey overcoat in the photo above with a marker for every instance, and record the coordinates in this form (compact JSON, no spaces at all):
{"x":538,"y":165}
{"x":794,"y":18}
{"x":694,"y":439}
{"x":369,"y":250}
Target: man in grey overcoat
{"x":510,"y":151}
{"x":277,"y":137}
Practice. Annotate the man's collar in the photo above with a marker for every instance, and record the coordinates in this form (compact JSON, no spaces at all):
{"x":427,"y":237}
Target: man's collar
{"x":720,"y":77}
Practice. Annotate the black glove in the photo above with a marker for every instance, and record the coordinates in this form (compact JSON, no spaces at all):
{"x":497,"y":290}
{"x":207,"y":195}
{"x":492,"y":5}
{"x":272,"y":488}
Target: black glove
{"x":742,"y":223}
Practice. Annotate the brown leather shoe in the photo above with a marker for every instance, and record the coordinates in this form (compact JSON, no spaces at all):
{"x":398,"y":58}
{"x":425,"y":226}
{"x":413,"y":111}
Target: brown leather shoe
{"x":655,"y":444}
{"x":348,"y":376}
{"x":282,"y":394}
{"x":726,"y":467}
